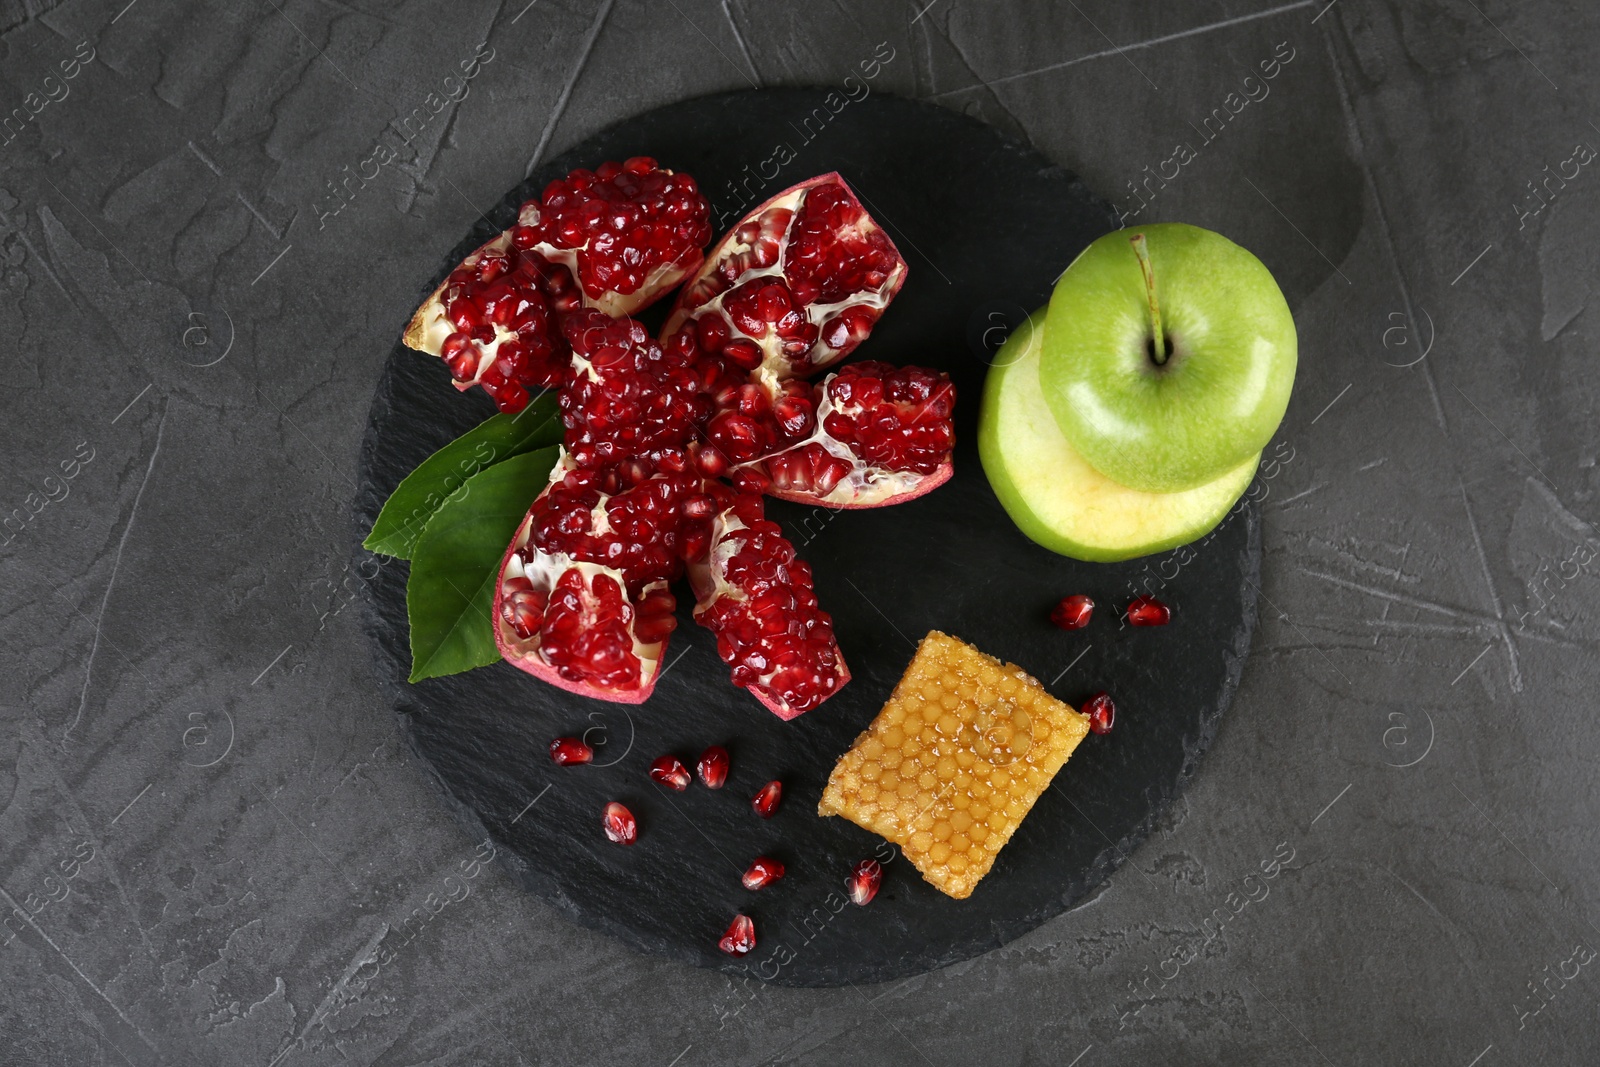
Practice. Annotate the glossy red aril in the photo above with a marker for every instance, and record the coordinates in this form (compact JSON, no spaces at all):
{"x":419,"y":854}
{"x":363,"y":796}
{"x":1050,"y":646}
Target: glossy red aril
{"x":794,"y":287}
{"x":740,"y":939}
{"x":495,"y":322}
{"x":628,"y":232}
{"x":865,"y":877}
{"x":625,"y":398}
{"x":619,"y":823}
{"x":762,"y":872}
{"x":1102,"y":713}
{"x":1148,"y":611}
{"x":670,"y":772}
{"x":570,"y":750}
{"x":713,"y":767}
{"x":765,"y":802}
{"x":1073,"y":612}
{"x":757,"y":597}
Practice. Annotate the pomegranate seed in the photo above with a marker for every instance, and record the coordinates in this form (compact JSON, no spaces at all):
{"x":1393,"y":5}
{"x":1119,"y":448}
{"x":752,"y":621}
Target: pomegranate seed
{"x":740,"y":938}
{"x":766,"y":801}
{"x":670,"y":772}
{"x":764,"y":870}
{"x":713,"y":766}
{"x":570,"y":750}
{"x":865,"y":877}
{"x":1102,"y":713}
{"x":1148,"y":611}
{"x":620,"y":824}
{"x":1073,"y":612}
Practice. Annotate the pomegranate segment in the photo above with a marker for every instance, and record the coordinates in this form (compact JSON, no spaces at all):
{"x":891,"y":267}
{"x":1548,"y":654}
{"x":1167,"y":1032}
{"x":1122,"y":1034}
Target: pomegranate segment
{"x":628,"y":232}
{"x":625,"y":398}
{"x":740,"y":939}
{"x":567,"y":751}
{"x":762,"y":872}
{"x":765,"y":802}
{"x":1101,"y":711}
{"x":713,"y":767}
{"x":619,"y":824}
{"x":669,"y":771}
{"x":494,"y":321}
{"x":757,"y":597}
{"x":1073,"y":612}
{"x":1148,"y":611}
{"x":862,"y":885}
{"x":795,"y":286}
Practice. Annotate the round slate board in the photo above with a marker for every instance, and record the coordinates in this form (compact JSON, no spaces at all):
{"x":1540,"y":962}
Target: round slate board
{"x":986,"y":225}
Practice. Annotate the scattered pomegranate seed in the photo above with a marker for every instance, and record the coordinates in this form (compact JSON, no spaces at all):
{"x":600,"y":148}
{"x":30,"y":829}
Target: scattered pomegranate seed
{"x":766,"y":801}
{"x":865,"y":877}
{"x":764,"y":870}
{"x":1148,"y":611}
{"x":1102,"y":713}
{"x":1073,"y":612}
{"x":713,"y":766}
{"x":740,"y":938}
{"x":619,"y":824}
{"x":570,"y":750}
{"x":670,"y":772}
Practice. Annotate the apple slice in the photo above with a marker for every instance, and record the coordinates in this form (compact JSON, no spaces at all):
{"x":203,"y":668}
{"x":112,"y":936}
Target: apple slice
{"x":1060,"y":501}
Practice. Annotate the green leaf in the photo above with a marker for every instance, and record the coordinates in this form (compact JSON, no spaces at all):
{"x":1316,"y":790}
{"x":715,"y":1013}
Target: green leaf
{"x":424,"y":490}
{"x":450,"y":595}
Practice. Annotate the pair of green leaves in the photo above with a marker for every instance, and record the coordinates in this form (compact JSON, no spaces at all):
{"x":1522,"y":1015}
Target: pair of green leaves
{"x":453,"y":518}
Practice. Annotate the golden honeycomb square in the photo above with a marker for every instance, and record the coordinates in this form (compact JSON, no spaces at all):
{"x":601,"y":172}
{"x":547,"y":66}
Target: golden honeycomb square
{"x":954,"y":761}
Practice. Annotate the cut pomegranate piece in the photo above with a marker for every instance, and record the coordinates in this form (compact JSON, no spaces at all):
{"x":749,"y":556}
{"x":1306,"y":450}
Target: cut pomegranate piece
{"x":869,"y":435}
{"x":862,"y":885}
{"x":628,"y":232}
{"x":765,"y":802}
{"x":570,"y":750}
{"x":713,"y":767}
{"x":1101,"y":711}
{"x":625,"y":399}
{"x":756,"y":596}
{"x":795,"y":286}
{"x":583,"y":599}
{"x":619,"y":824}
{"x":670,"y":772}
{"x":740,"y":939}
{"x":494,"y":322}
{"x":1073,"y":612}
{"x":762,"y":872}
{"x":1148,"y":611}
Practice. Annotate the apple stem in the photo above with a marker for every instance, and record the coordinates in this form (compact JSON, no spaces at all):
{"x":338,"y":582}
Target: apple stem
{"x":1142,"y":250}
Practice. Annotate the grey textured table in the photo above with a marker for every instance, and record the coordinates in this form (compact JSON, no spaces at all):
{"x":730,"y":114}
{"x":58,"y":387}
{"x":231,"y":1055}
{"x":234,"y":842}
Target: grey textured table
{"x":213,"y":849}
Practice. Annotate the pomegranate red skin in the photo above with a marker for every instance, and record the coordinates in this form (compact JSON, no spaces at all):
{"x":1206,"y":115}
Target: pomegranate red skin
{"x":924,"y":487}
{"x":1073,"y":613}
{"x":1102,"y":713}
{"x":1148,"y":611}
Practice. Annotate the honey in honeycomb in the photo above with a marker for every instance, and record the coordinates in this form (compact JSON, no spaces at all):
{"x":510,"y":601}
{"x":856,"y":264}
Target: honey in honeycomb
{"x":954,"y":761}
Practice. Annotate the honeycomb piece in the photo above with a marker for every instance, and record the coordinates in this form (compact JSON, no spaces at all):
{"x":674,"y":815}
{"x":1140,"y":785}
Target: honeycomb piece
{"x":954,"y":761}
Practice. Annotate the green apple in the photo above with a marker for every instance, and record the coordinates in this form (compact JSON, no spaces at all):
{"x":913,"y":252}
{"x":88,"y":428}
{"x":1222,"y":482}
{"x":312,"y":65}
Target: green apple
{"x":1060,"y":501}
{"x":1176,"y":415}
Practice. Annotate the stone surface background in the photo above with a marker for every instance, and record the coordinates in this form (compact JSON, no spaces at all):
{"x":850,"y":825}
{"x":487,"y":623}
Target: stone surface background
{"x":210,"y":837}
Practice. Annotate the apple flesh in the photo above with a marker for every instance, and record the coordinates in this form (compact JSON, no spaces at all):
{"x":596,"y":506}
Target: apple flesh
{"x":1059,"y":500}
{"x":1195,"y":412}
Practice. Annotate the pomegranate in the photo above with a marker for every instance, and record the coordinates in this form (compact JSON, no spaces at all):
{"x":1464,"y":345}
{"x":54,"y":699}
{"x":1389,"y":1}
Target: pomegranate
{"x":762,"y":872}
{"x":628,"y":232}
{"x":583,"y":599}
{"x":619,"y":824}
{"x":795,"y":286}
{"x":1073,"y":612}
{"x":1148,"y":611}
{"x":765,"y":802}
{"x":669,"y":771}
{"x":740,"y":939}
{"x":570,"y":750}
{"x":625,"y":399}
{"x":756,"y":596}
{"x":494,"y":321}
{"x":713,"y":767}
{"x":1101,"y":711}
{"x":862,"y":885}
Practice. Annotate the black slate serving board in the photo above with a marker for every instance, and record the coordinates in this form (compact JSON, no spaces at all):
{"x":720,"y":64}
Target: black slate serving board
{"x":986,"y":225}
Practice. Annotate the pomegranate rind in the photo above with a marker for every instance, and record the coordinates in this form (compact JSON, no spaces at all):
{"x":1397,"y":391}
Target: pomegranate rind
{"x":923,"y":485}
